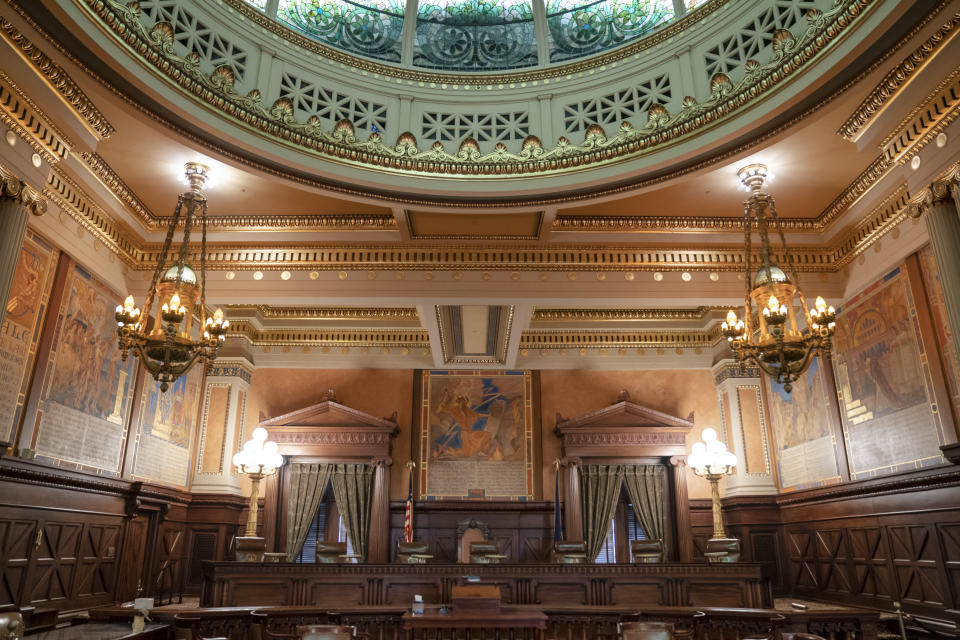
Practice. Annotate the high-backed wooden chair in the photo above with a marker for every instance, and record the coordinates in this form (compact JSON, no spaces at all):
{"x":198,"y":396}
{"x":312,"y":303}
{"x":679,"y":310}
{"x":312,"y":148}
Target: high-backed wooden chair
{"x":646,"y":551}
{"x":330,"y":551}
{"x":468,"y":537}
{"x":646,"y":631}
{"x":569,"y":552}
{"x":413,"y":552}
{"x":325,"y":632}
{"x":485,"y":552}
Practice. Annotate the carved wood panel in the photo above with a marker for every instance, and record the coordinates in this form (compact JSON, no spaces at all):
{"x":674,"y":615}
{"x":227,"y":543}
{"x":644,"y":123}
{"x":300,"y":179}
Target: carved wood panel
{"x":832,"y":561}
{"x":97,"y":561}
{"x":16,"y":542}
{"x":950,"y":535}
{"x":803,"y":560}
{"x":915,"y":561}
{"x":870,"y":559}
{"x":130,"y":580}
{"x":54,"y":564}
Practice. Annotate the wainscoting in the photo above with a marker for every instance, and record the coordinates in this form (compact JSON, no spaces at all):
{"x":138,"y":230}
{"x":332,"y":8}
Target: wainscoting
{"x":871,"y":543}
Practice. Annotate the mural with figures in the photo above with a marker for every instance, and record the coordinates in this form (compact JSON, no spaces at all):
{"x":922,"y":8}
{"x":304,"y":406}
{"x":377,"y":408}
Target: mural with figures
{"x":883,"y":385}
{"x":86,"y":391}
{"x":476,"y":435}
{"x":167,"y":429}
{"x":806,"y":450}
{"x":20,"y":331}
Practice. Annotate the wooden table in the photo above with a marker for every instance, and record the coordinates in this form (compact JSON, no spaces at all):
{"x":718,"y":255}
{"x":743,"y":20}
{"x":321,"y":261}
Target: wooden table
{"x":110,"y":631}
{"x":508,"y":624}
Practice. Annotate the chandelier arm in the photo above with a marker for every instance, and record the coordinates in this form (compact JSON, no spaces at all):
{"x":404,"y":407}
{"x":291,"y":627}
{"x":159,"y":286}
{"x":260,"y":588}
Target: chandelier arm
{"x":162,"y":259}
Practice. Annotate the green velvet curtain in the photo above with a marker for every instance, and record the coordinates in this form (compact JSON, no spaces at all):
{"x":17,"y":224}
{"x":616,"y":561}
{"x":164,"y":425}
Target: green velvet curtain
{"x":645,"y":485}
{"x":308,"y":483}
{"x":353,"y":492}
{"x":599,"y":491}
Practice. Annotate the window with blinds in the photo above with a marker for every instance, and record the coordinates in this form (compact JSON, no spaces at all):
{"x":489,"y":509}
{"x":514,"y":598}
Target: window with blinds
{"x":318,"y":531}
{"x":608,"y":552}
{"x":634,"y":530}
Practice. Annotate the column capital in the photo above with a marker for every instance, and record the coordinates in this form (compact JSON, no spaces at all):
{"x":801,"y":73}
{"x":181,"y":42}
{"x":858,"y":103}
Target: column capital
{"x":382,"y":461}
{"x":13,"y":188}
{"x":230,"y":368}
{"x":678,"y":461}
{"x":571,"y":461}
{"x":944,"y":188}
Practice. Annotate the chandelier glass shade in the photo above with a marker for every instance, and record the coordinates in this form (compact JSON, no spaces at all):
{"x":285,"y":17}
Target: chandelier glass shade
{"x":168,"y":344}
{"x":769,"y":335}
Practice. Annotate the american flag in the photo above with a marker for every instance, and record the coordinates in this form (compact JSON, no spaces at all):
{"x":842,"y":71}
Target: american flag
{"x":408,"y":513}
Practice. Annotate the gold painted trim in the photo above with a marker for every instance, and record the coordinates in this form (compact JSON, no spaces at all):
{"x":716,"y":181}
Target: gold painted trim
{"x":30,"y":123}
{"x":936,"y":112}
{"x":872,"y":227}
{"x":59,"y":80}
{"x":596,"y":339}
{"x":789,"y":55}
{"x":470,"y":79}
{"x":890,"y":85}
{"x":269,"y":312}
{"x":619,"y":315}
{"x":412,"y":338}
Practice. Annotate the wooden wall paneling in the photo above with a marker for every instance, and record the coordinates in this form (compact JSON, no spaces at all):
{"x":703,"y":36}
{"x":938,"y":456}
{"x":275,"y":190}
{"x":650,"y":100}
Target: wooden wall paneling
{"x":131,"y":580}
{"x":833,"y":560}
{"x":949,"y":534}
{"x":869,"y":553}
{"x":915,"y":556}
{"x":17,"y":535}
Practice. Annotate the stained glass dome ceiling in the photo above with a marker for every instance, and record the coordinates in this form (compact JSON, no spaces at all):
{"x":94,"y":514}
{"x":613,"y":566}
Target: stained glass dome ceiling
{"x":475,"y":35}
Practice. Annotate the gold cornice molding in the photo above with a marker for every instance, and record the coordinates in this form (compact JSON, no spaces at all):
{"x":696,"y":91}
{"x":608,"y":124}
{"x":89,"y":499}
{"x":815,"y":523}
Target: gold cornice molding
{"x":270,"y":312}
{"x":891,"y":211}
{"x":408,"y":338}
{"x":106,"y":175}
{"x":945,"y":186}
{"x":891,"y":84}
{"x":22,"y":115}
{"x":59,"y":80}
{"x":560,"y":339}
{"x":13,"y":188}
{"x":411,"y":76}
{"x":933,"y":114}
{"x":621,"y":315}
{"x":77,"y":204}
{"x":277,"y":122}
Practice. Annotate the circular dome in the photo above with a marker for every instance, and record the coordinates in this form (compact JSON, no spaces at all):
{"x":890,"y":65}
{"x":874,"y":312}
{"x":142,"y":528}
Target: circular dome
{"x":475,"y":35}
{"x":776,"y":274}
{"x":188,"y":277}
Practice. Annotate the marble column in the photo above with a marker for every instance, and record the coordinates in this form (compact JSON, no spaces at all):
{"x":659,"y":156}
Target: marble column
{"x":744,"y":429}
{"x":222,"y":428}
{"x":572,"y":514}
{"x":941,"y":212}
{"x":17,"y":201}
{"x":378,"y":549}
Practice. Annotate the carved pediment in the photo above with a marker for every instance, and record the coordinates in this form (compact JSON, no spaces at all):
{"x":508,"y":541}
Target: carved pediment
{"x":624,"y":429}
{"x":329,"y":429}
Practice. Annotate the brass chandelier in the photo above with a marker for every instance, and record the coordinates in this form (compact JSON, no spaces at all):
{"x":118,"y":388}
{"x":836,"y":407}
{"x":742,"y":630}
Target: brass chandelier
{"x":166,"y":344}
{"x":775,"y":343}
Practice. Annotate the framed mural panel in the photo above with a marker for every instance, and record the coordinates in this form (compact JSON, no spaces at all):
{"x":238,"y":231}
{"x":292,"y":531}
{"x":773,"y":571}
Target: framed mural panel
{"x":22,"y":324}
{"x":167,"y":429}
{"x":806,"y":449}
{"x":86,"y":395}
{"x":476,"y":435}
{"x":883,"y":380}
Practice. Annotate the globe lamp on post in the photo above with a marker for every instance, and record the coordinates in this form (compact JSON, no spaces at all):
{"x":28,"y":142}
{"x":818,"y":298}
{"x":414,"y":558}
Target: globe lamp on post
{"x":258,"y":459}
{"x":710,"y":459}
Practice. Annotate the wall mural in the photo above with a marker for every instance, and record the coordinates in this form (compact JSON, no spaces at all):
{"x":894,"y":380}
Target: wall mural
{"x":476,"y":435}
{"x":884,"y":387}
{"x":806,"y":450}
{"x":167,"y":429}
{"x":22,"y":323}
{"x":938,"y":309}
{"x":86,"y":391}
